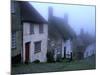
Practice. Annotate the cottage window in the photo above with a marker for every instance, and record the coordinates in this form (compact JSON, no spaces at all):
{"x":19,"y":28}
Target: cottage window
{"x":41,"y":28}
{"x":13,"y":40}
{"x":37,"y":47}
{"x":31,"y":28}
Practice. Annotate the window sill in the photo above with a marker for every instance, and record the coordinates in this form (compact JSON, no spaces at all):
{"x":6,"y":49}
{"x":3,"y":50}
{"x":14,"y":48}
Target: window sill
{"x":37,"y":52}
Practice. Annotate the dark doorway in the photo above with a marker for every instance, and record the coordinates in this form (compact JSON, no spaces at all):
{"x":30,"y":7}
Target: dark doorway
{"x":27,"y":48}
{"x":16,"y":59}
{"x":64,"y":52}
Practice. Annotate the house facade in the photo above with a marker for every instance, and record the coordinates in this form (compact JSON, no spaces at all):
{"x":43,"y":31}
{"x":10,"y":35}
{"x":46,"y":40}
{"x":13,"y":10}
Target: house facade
{"x":35,"y":34}
{"x":34,"y":42}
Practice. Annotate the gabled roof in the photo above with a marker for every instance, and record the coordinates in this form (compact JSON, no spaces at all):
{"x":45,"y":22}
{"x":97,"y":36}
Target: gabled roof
{"x":30,"y":14}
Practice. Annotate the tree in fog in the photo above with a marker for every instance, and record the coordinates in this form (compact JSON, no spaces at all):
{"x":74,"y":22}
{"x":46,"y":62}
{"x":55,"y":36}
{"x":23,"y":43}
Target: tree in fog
{"x":81,"y":42}
{"x":86,"y":38}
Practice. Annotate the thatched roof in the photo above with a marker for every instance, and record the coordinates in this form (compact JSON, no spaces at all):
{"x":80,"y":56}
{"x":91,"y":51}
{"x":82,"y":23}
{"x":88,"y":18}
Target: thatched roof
{"x":59,"y":25}
{"x":29,"y":13}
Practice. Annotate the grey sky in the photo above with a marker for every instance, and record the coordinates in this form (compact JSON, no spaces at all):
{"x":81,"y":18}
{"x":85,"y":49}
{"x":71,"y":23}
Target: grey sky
{"x":78,"y":16}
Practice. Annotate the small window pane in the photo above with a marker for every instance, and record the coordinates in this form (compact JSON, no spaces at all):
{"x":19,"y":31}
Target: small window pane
{"x":37,"y":47}
{"x":41,"y":28}
{"x":31,"y":28}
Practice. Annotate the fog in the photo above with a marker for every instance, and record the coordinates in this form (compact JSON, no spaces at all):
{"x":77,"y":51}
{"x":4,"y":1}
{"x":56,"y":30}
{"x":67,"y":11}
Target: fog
{"x":79,"y":16}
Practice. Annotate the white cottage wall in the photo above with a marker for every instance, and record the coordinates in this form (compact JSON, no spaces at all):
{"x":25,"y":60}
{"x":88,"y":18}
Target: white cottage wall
{"x":27,"y":37}
{"x":68,"y":47}
{"x":90,"y":50}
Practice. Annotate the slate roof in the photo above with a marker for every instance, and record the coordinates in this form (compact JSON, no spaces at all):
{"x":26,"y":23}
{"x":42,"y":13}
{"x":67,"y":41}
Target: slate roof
{"x":30,"y":14}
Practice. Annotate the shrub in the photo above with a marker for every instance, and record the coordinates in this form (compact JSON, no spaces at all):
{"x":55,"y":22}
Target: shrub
{"x":37,"y":61}
{"x":58,"y":58}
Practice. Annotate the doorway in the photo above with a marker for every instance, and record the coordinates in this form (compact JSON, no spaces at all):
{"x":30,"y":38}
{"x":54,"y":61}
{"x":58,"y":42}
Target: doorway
{"x":27,"y":50}
{"x":64,"y":52}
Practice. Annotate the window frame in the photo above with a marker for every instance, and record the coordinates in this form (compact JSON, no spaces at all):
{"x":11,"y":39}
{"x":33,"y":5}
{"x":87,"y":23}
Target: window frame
{"x":31,"y":28}
{"x":37,"y":47}
{"x":41,"y":28}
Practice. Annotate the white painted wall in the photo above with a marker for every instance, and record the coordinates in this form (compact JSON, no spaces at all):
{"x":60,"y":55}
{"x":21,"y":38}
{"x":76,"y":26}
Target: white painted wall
{"x":34,"y":38}
{"x":90,"y":50}
{"x":68,"y":46}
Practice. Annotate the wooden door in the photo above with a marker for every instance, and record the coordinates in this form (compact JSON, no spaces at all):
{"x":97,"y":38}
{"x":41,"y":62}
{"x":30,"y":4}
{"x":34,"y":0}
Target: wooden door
{"x":64,"y":52}
{"x":27,"y":49}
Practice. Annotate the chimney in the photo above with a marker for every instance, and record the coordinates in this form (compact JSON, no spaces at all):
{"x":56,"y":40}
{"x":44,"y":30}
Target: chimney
{"x":66,"y":18}
{"x":50,"y":12}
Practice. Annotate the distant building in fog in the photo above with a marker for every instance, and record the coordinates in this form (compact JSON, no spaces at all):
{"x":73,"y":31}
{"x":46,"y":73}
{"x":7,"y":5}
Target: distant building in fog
{"x":90,"y":50}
